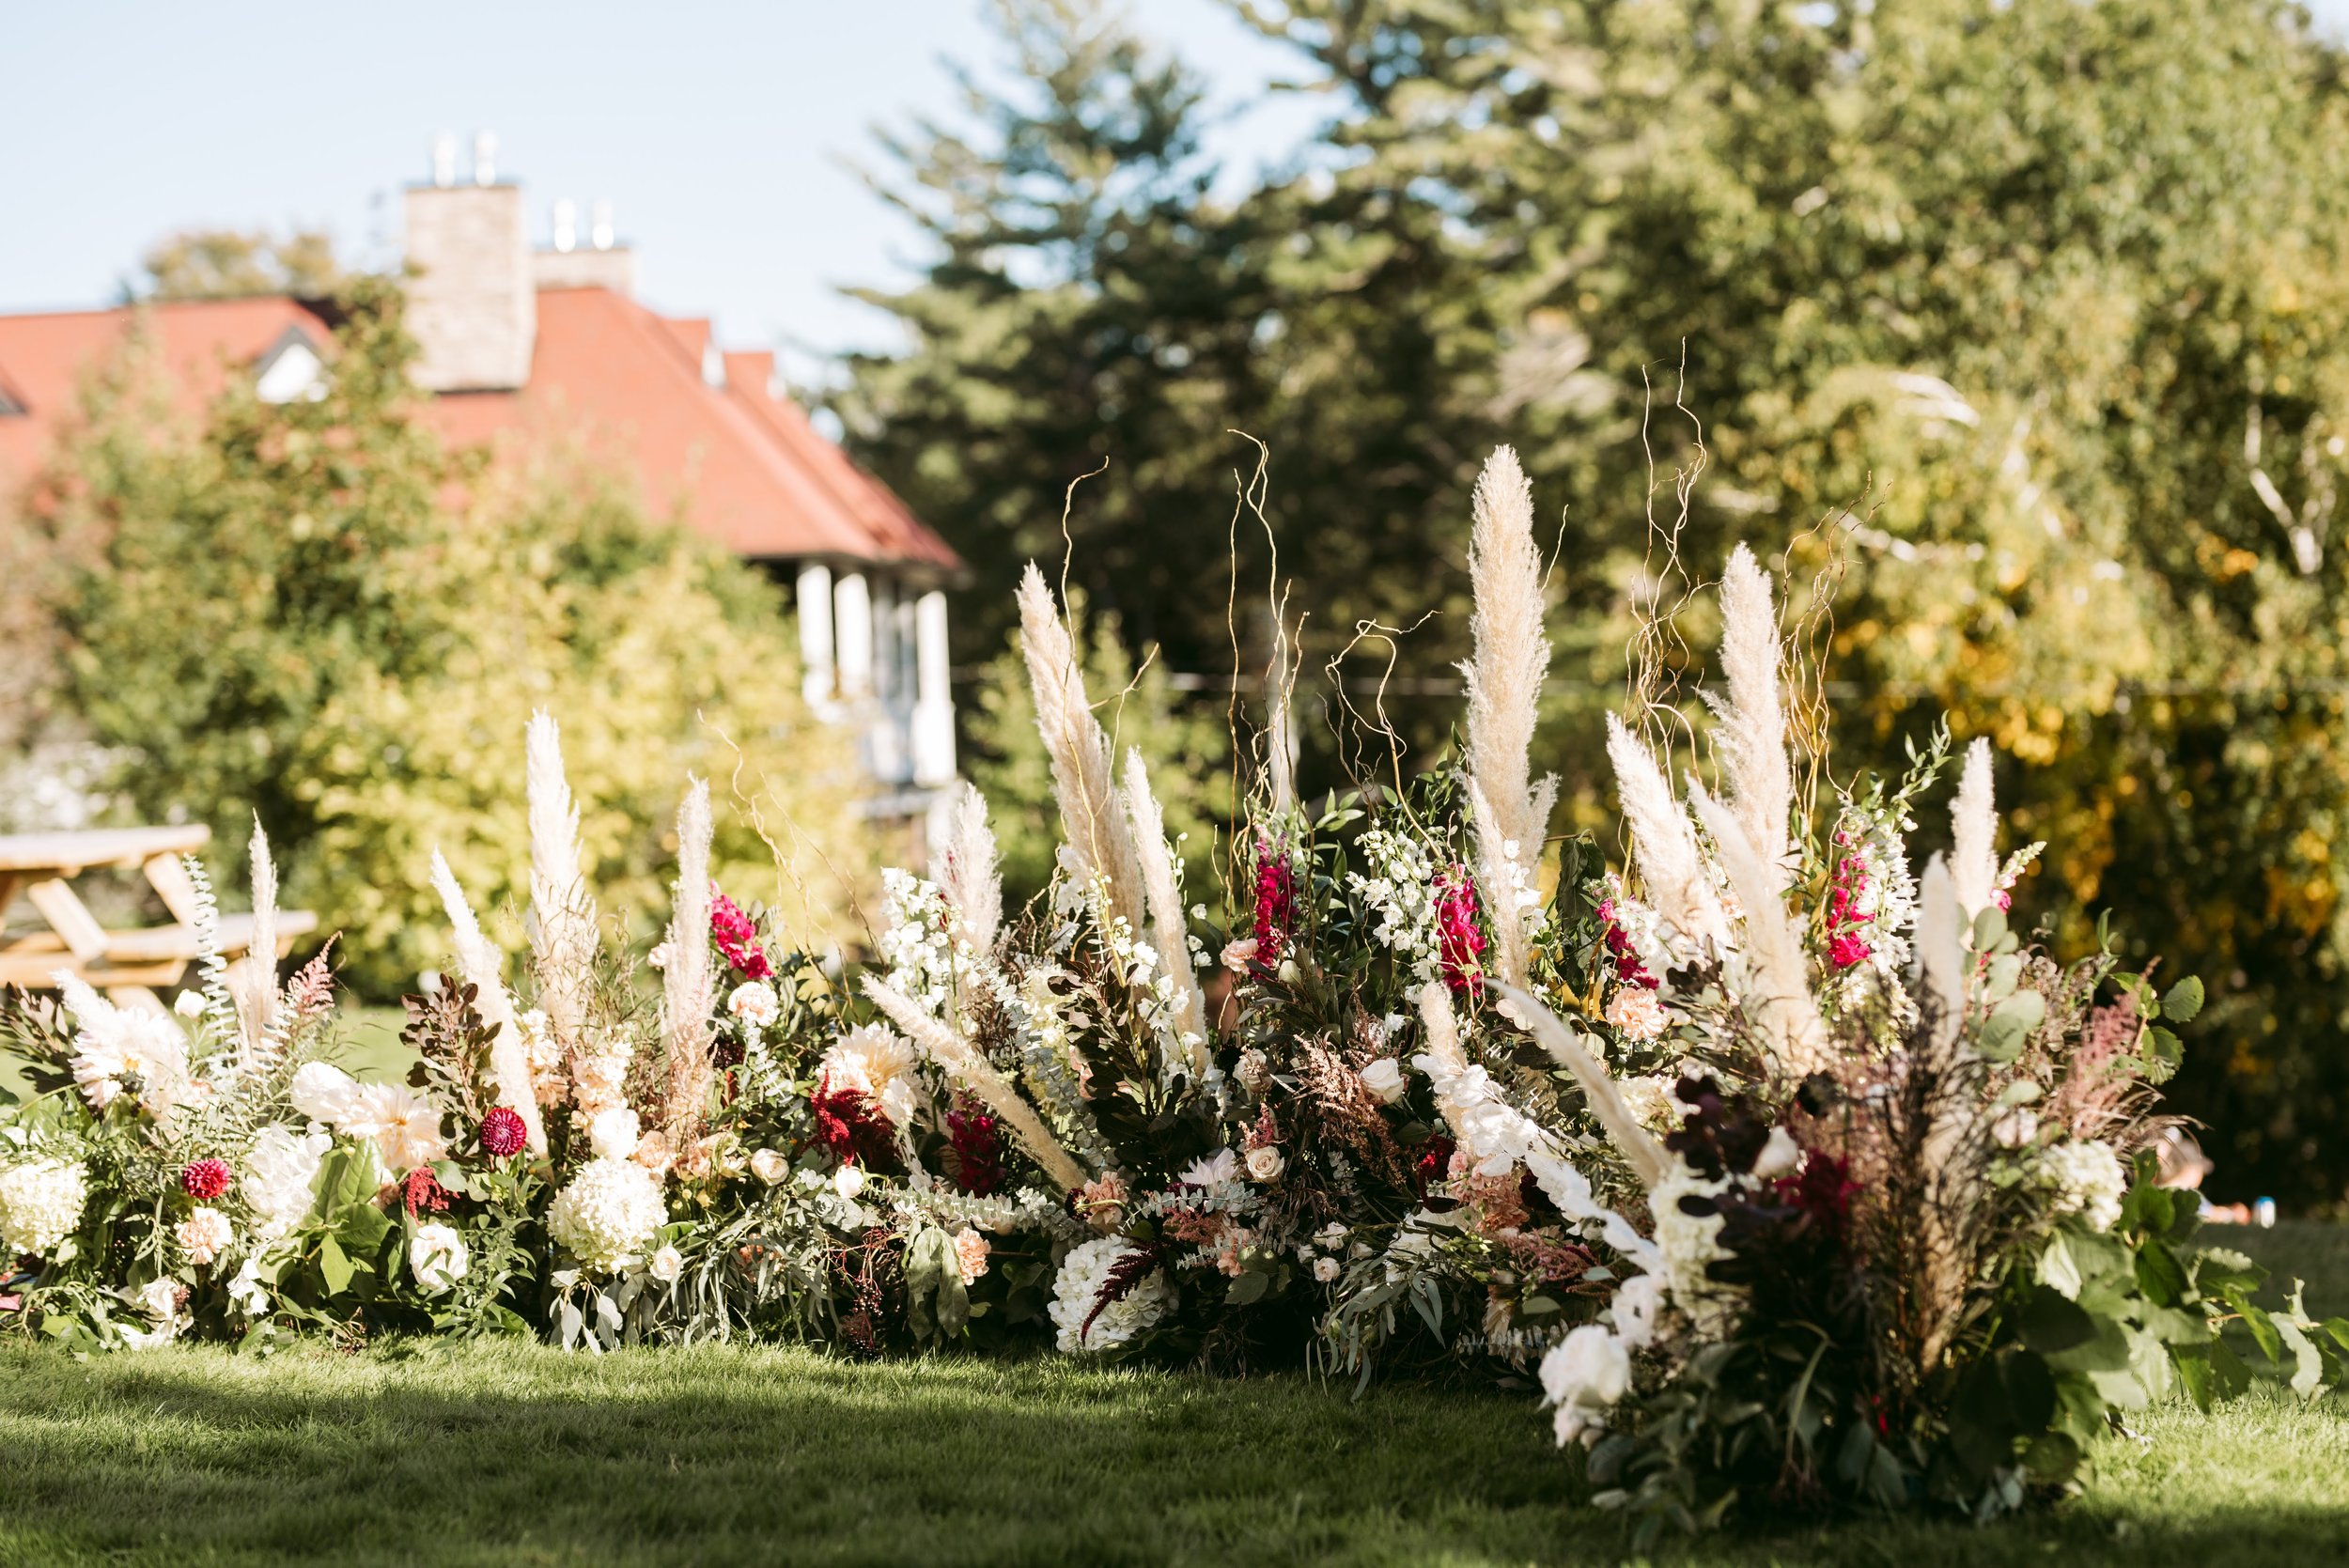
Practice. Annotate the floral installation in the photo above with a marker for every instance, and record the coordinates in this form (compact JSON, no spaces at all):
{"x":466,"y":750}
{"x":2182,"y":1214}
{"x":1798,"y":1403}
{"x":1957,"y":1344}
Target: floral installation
{"x":1792,"y":1176}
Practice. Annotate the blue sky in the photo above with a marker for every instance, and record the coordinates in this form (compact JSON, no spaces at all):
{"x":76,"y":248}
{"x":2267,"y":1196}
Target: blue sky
{"x":717,"y":131}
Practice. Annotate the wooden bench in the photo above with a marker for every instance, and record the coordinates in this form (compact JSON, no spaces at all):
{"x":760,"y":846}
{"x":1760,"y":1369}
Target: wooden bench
{"x":124,"y":964}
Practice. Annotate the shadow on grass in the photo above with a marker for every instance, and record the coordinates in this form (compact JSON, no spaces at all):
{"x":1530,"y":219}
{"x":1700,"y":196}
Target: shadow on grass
{"x":517,"y":1455}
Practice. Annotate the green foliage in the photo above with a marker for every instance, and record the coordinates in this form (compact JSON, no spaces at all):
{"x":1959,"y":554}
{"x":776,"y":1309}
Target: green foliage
{"x":2051,"y":296}
{"x":210,"y":264}
{"x":312,"y":613}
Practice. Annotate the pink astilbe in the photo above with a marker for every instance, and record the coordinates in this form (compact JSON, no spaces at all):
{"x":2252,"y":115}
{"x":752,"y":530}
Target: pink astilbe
{"x":1459,"y":943}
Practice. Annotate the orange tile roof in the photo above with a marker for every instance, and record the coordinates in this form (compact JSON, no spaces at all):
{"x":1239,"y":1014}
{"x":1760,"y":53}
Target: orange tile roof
{"x":607,"y":376}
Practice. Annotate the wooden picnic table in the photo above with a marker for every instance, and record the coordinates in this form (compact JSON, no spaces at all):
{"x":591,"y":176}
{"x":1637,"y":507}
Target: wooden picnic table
{"x":124,"y":964}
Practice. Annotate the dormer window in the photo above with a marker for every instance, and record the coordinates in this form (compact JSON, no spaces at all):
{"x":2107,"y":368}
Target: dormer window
{"x":290,"y":371}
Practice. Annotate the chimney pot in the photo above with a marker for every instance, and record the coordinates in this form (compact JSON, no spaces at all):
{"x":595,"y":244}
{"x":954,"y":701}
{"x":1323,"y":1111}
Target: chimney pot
{"x":485,"y":158}
{"x":445,"y":159}
{"x":566,"y":225}
{"x":602,"y":233}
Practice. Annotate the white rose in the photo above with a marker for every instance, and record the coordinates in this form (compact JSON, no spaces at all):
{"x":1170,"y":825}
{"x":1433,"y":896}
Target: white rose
{"x":614,"y":1134}
{"x":770,"y":1165}
{"x":754,"y":1002}
{"x":1325,"y":1269}
{"x":1588,"y":1372}
{"x":189,"y":1004}
{"x":1778,"y":1156}
{"x":667,"y":1264}
{"x":161,"y":1297}
{"x":1637,"y":1305}
{"x":1384,"y":1078}
{"x":1264,"y":1164}
{"x":849,"y":1181}
{"x":438,"y":1257}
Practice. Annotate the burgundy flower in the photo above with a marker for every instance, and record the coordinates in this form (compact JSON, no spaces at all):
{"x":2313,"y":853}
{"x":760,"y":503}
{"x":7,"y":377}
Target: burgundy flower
{"x":422,"y":1191}
{"x":1276,"y":899}
{"x":978,"y":1148}
{"x":503,"y":1132}
{"x":1459,"y":945}
{"x":1433,"y":1162}
{"x":204,"y":1179}
{"x":737,"y":935}
{"x":1628,"y":969}
{"x":850,"y":1124}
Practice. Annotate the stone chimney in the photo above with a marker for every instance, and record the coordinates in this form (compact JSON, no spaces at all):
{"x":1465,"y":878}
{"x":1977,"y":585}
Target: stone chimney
{"x":601,"y":263}
{"x":474,"y":305}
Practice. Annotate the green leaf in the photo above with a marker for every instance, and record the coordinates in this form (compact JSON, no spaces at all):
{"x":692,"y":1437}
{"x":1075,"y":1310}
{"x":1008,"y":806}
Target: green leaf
{"x":2195,"y":1374}
{"x":1989,"y":929}
{"x":1250,"y":1286}
{"x":2262,"y":1328}
{"x":2184,"y":999}
{"x":2052,"y":1323}
{"x":2057,"y":1270}
{"x":333,"y":1266}
{"x":2158,"y":1274}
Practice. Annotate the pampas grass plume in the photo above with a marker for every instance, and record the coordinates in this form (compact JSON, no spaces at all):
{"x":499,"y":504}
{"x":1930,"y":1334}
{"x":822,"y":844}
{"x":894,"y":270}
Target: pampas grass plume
{"x":1752,"y":732}
{"x":1777,"y":981}
{"x":1091,"y":815}
{"x":1663,"y":843}
{"x":480,"y":964}
{"x":685,"y":980}
{"x":962,"y":1062}
{"x":970,"y":880}
{"x":563,"y":941}
{"x":256,"y":987}
{"x":1974,"y":825}
{"x":1169,"y":932}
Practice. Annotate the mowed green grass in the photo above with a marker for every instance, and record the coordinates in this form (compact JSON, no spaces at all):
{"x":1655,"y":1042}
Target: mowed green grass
{"x":507,"y":1453}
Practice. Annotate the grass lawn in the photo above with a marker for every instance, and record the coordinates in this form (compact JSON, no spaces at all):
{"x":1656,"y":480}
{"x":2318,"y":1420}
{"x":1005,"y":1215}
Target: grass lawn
{"x":518,"y":1454}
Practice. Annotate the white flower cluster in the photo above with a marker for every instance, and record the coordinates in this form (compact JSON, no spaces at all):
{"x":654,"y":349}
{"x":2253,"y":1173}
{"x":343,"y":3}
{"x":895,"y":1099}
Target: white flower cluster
{"x":1401,"y":886}
{"x":878,"y":1065}
{"x":599,"y":1071}
{"x":1888,"y":901}
{"x":40,"y":1203}
{"x":1078,"y":1286}
{"x":2089,"y":1181}
{"x":438,"y":1257}
{"x":917,"y":938}
{"x":279,"y":1170}
{"x":1689,"y":1242}
{"x":404,"y":1126}
{"x":609,"y":1215}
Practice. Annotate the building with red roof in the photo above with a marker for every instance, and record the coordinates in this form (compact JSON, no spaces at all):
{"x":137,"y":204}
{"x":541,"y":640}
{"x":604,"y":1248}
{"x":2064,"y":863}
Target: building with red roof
{"x":525,"y":351}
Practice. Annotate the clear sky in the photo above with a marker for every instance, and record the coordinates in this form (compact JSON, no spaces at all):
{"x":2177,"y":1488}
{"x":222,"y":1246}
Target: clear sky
{"x":717,"y":131}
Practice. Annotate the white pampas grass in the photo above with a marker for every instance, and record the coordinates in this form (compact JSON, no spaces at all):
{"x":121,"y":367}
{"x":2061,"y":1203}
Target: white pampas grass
{"x":1940,"y":960}
{"x":685,"y":979}
{"x":1169,"y":932}
{"x":1505,"y":687}
{"x":1753,"y":732}
{"x":1614,"y":1113}
{"x":1443,"y":1030}
{"x":481,"y":964}
{"x":961,"y":1062}
{"x":1091,"y":815}
{"x":1973,"y":820}
{"x":257,"y":984}
{"x":1663,"y":843}
{"x":563,"y":937}
{"x":1777,"y":988}
{"x":973,"y":885}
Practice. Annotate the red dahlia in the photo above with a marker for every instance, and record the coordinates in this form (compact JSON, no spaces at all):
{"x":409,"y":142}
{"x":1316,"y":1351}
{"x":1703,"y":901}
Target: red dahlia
{"x":204,"y":1179}
{"x":502,"y":1132}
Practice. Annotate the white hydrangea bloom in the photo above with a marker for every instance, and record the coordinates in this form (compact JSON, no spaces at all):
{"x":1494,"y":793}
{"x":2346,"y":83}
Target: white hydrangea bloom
{"x":40,"y":1203}
{"x":609,"y":1214}
{"x":2089,"y":1181}
{"x":1078,"y":1286}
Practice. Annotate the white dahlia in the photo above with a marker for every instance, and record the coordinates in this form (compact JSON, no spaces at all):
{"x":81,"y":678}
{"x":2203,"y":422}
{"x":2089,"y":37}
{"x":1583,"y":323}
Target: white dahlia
{"x":1082,"y":1275}
{"x":609,"y":1214}
{"x":878,"y":1064}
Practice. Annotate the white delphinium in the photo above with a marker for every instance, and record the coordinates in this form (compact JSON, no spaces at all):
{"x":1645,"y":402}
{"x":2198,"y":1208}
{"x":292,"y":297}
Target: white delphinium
{"x":1638,"y":1302}
{"x":119,"y":1045}
{"x":609,"y":1214}
{"x":279,"y":1170}
{"x":543,"y":1055}
{"x":1079,"y":1285}
{"x":1974,"y":827}
{"x":1398,"y":882}
{"x":438,"y":1257}
{"x":1585,"y":1376}
{"x":917,"y":940}
{"x":876,"y":1064}
{"x":160,"y":1299}
{"x":40,"y":1203}
{"x":247,"y":1291}
{"x":204,"y":1234}
{"x":481,"y":964}
{"x":600,"y":1070}
{"x":2088,"y":1179}
{"x":1510,"y":812}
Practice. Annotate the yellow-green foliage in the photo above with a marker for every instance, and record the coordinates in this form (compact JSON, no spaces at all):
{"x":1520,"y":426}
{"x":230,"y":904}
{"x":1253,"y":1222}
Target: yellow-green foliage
{"x":313,"y":612}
